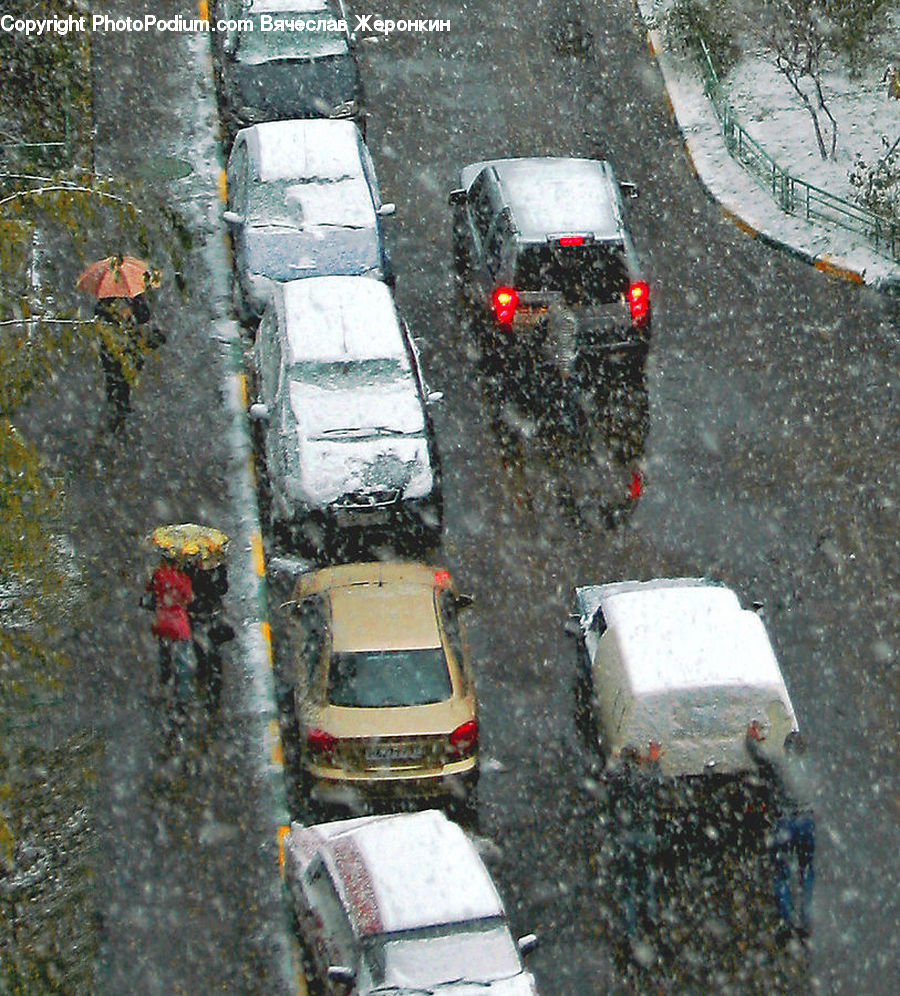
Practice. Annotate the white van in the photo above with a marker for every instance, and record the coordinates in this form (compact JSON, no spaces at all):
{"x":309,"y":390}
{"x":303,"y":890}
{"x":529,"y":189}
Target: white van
{"x":680,"y":664}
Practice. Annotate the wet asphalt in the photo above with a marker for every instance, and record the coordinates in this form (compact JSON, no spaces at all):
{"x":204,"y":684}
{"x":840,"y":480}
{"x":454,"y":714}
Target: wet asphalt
{"x":766,"y":425}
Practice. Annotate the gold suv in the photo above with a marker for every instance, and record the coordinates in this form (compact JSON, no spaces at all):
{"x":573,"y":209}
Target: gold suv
{"x":384,"y":693}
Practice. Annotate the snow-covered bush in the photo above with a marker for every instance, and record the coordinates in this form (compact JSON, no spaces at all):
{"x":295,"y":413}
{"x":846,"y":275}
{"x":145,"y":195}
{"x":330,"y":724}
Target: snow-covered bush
{"x":878,"y":184}
{"x":687,"y":20}
{"x":855,"y":24}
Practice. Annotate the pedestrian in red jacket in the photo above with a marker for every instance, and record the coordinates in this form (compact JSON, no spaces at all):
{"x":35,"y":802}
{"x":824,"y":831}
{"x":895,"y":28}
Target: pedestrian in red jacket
{"x":171,"y":592}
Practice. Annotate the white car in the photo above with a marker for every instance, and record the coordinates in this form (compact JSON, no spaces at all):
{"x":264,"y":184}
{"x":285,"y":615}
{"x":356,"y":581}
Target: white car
{"x":303,"y":201}
{"x":401,"y":904}
{"x":678,"y":663}
{"x":347,"y":434}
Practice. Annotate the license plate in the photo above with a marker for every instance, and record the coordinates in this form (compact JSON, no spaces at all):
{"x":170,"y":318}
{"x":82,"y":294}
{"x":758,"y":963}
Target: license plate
{"x":387,"y":753}
{"x":363,"y":515}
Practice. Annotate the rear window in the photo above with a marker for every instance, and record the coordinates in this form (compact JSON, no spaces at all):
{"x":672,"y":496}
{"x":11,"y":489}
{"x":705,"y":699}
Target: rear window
{"x":372,"y":679}
{"x":593,"y":272}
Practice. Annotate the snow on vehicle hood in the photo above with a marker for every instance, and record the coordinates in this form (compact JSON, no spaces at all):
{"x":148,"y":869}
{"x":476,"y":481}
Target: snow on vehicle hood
{"x":363,"y":439}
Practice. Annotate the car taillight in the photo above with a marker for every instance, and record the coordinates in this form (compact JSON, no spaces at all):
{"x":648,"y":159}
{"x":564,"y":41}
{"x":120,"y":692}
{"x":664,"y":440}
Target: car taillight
{"x":636,"y":487}
{"x":571,"y":240}
{"x":464,"y":738}
{"x":504,"y":303}
{"x":320,"y":742}
{"x":639,"y":301}
{"x":442,"y":578}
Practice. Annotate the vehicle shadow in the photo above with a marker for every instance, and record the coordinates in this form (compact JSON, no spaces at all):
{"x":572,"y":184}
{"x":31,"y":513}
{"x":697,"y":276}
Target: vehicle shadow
{"x":696,"y":905}
{"x":575,"y":446}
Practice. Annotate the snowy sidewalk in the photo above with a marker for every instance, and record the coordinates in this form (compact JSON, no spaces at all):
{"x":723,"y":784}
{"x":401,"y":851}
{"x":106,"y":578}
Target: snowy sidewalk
{"x":742,"y":198}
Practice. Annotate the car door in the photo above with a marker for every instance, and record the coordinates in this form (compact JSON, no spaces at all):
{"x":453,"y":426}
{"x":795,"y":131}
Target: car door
{"x":368,"y":168}
{"x":422,"y":390}
{"x":238,"y":182}
{"x":325,"y":925}
{"x":478,"y":215}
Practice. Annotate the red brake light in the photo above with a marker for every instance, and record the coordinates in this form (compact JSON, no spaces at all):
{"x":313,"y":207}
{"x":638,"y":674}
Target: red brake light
{"x":504,"y":302}
{"x":320,"y":742}
{"x":639,"y":300}
{"x":464,"y":738}
{"x":442,"y":578}
{"x":636,"y":487}
{"x":572,"y":240}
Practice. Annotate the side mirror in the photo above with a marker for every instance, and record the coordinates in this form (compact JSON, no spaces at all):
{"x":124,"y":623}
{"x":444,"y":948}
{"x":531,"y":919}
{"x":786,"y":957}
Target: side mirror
{"x":463,"y":601}
{"x":434,"y":397}
{"x":794,"y":743}
{"x":386,"y":210}
{"x":527,"y":944}
{"x":341,"y":975}
{"x":233,"y":218}
{"x":456,"y":197}
{"x":630,"y":190}
{"x":259,"y":412}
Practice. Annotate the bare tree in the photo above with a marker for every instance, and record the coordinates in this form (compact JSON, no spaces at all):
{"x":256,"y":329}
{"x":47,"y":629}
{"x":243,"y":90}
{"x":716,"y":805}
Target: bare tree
{"x":796,"y":37}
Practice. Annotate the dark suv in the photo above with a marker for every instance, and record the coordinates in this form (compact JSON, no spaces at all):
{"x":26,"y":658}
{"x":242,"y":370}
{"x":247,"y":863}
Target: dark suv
{"x":546,"y":261}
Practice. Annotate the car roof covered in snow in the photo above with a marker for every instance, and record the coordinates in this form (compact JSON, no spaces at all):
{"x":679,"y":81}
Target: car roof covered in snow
{"x":556,"y":196}
{"x":314,"y":149}
{"x":406,"y":871}
{"x":339,"y":319}
{"x":685,"y":633}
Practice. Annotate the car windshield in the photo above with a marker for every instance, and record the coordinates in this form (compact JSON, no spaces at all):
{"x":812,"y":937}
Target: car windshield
{"x":259,"y":46}
{"x":373,"y":679}
{"x":344,"y":374}
{"x":595,"y":271}
{"x":480,"y":952}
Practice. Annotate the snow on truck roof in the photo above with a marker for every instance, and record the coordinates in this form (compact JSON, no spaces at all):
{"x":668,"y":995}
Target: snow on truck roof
{"x":339,"y":319}
{"x":687,"y":633}
{"x":554,"y":196}
{"x":312,"y":149}
{"x":407,"y":871}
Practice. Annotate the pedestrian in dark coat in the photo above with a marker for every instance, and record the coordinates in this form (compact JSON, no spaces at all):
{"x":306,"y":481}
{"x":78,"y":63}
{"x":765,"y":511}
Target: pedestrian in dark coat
{"x":634,"y":795}
{"x":210,"y":627}
{"x":124,"y":340}
{"x":793,"y":837}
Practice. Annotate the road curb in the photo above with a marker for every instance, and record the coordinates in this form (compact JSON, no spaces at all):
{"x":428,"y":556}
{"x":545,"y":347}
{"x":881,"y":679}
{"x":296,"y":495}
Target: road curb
{"x":826,"y":263}
{"x":247,"y":572}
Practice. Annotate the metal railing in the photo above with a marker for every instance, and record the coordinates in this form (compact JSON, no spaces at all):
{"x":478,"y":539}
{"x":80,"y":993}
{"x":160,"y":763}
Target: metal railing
{"x":793,"y":195}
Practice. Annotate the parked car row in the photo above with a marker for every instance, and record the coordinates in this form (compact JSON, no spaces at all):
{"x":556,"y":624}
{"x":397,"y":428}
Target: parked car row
{"x":384,"y":691}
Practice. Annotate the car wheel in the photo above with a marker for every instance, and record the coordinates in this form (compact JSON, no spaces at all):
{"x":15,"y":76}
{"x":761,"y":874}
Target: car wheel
{"x":464,"y":807}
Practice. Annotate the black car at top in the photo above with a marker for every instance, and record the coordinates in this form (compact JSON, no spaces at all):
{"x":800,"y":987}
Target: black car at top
{"x":270,"y":70}
{"x":546,"y":260}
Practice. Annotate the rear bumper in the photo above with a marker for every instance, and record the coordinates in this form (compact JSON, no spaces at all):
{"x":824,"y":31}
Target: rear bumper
{"x":530,"y":332}
{"x":358,"y":790}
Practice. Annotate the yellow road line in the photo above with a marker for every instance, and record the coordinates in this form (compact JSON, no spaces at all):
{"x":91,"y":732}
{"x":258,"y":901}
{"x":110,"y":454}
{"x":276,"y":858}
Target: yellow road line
{"x":824,"y":264}
{"x":259,"y":561}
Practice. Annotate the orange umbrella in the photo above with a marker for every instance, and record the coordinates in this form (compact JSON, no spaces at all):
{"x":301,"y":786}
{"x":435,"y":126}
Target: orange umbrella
{"x":117,"y":276}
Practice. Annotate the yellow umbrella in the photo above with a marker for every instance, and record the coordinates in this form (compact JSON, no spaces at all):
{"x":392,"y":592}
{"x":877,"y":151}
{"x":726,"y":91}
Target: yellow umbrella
{"x":190,"y":541}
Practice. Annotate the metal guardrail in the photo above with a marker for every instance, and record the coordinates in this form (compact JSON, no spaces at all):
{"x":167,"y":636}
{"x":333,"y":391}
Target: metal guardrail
{"x":795,"y":196}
